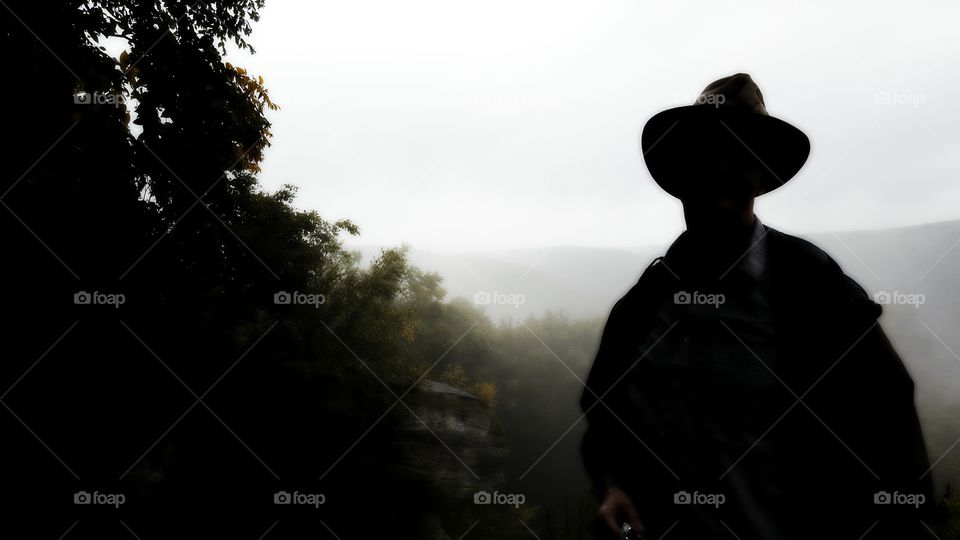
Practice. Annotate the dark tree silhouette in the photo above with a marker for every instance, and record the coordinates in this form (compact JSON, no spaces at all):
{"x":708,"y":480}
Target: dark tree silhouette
{"x":199,"y":395}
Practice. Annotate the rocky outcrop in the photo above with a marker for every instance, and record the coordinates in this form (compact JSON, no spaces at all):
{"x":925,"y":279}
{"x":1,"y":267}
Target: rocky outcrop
{"x":454,"y":442}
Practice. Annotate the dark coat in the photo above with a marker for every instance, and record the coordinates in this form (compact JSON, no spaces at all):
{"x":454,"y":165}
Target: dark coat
{"x":863,"y":435}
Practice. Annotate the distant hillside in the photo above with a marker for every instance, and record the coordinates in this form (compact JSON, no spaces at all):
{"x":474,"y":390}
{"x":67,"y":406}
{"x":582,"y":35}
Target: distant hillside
{"x":585,"y":281}
{"x":582,"y":281}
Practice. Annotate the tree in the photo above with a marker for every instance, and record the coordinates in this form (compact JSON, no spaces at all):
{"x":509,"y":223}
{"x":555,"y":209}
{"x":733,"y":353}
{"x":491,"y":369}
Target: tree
{"x":134,"y":178}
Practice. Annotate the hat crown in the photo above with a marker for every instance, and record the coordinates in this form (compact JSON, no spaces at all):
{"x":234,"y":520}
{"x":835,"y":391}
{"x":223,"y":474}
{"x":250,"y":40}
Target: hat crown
{"x":736,"y":92}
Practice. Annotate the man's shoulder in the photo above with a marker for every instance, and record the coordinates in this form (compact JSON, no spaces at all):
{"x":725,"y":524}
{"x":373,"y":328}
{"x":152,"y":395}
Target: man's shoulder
{"x":803,"y":260}
{"x":799,"y":250}
{"x":788,"y":253}
{"x":792,"y":249}
{"x":652,"y":283}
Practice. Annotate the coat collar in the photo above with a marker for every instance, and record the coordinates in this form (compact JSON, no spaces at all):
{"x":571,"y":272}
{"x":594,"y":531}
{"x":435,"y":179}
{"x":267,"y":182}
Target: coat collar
{"x":752,"y":263}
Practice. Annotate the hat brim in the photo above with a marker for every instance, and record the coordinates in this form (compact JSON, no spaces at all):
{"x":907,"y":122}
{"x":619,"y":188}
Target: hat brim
{"x":677,"y":141}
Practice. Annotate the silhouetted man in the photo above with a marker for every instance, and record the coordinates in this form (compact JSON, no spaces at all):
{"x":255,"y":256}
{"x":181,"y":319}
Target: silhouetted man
{"x":743,"y":387}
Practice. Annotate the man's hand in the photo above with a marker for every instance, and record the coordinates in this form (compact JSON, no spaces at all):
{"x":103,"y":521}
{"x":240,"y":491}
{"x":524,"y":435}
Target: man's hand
{"x":617,"y":508}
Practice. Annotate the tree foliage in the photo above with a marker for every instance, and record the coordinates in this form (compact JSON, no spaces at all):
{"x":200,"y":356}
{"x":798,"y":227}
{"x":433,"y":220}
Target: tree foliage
{"x":200,"y":393}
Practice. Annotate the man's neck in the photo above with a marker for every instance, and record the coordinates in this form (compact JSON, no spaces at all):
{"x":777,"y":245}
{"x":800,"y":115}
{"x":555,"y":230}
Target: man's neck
{"x":712,"y":252}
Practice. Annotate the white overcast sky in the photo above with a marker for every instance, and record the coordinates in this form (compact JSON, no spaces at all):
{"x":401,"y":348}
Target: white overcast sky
{"x":459,"y":126}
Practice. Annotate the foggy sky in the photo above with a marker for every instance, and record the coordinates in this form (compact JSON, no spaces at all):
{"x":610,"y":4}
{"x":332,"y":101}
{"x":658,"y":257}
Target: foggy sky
{"x":464,"y":126}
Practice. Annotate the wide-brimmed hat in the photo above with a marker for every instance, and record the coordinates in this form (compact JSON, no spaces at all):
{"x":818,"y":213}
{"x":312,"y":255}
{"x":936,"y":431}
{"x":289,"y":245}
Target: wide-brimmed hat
{"x":728,"y":121}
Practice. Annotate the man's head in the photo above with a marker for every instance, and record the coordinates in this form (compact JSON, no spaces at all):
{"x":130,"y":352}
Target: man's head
{"x":719,"y":200}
